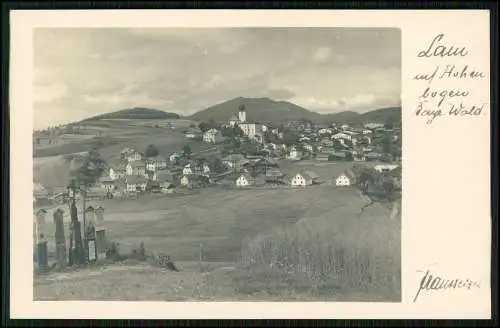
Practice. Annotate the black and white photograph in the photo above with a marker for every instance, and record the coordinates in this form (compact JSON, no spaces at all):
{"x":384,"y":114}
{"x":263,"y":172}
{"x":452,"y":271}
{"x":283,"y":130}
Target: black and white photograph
{"x":217,"y":164}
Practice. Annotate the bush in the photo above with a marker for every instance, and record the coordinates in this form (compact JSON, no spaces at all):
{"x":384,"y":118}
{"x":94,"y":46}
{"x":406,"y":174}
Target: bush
{"x":363,"y":256}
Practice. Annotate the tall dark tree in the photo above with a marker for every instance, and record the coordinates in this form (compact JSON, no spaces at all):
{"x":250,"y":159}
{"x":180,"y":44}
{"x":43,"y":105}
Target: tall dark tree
{"x":151,"y":151}
{"x":204,"y":127}
{"x":186,"y":150}
{"x":87,"y":169}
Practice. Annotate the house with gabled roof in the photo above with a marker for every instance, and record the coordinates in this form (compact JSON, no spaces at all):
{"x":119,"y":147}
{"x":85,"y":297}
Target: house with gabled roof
{"x":131,"y":155}
{"x":347,"y":178}
{"x":107,"y":183}
{"x":136,"y":168}
{"x":304,"y":178}
{"x":136,"y":183}
{"x":155,"y":163}
{"x":118,"y":171}
{"x":234,"y":161}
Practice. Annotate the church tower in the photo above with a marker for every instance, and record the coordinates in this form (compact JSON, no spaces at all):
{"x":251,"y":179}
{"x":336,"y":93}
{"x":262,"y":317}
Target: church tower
{"x":242,"y":113}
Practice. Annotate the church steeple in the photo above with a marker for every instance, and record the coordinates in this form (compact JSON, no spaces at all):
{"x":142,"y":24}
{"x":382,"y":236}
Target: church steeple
{"x":242,"y":113}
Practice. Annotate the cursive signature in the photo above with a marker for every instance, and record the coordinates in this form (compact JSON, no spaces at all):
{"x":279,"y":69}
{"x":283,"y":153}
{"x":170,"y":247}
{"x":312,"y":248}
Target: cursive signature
{"x":430,"y":282}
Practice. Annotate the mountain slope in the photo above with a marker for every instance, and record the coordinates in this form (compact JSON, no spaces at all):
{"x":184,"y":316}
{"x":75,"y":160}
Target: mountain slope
{"x":135,"y":113}
{"x":382,"y":115}
{"x":268,"y":110}
{"x":258,"y":110}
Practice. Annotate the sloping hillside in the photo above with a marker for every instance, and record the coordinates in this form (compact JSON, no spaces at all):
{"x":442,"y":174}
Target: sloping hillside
{"x":258,"y":109}
{"x":382,"y":115}
{"x":268,"y":110}
{"x":135,"y":113}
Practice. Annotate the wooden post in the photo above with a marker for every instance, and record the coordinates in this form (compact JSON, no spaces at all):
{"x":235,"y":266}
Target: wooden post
{"x":42,"y":254}
{"x":60,"y":238}
{"x":101,"y":243}
{"x":78,"y":251}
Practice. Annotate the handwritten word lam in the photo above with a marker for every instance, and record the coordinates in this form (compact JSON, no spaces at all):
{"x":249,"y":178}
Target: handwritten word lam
{"x":435,"y":49}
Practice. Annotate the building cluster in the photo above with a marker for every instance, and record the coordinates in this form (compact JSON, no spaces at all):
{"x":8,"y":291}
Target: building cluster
{"x":304,"y":140}
{"x":132,"y":172}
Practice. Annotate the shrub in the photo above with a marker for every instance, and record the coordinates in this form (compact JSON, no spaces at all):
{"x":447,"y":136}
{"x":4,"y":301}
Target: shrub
{"x":361,"y":255}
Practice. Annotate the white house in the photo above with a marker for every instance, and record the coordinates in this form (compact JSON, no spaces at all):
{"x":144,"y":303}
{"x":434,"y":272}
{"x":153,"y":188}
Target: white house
{"x":206,"y":168}
{"x":233,"y":121}
{"x":174,"y":157}
{"x":385,"y":167}
{"x":212,"y":136}
{"x":156,"y":163}
{"x":187,"y":170}
{"x":117,"y":172}
{"x":136,"y":168}
{"x":373,"y":126}
{"x":367,"y":131}
{"x":324,"y":131}
{"x":342,"y":135}
{"x":234,"y":161}
{"x":304,"y":178}
{"x":136,"y":183}
{"x":244,"y":180}
{"x":308,"y":147}
{"x":344,"y":126}
{"x":107,"y":183}
{"x":249,"y":129}
{"x":294,"y":153}
{"x":131,"y":155}
{"x":346,"y":179}
{"x":191,"y":169}
{"x":209,"y":136}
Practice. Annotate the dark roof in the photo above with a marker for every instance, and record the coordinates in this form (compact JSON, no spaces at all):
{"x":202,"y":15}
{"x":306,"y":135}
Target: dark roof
{"x":156,"y":158}
{"x":137,"y":164}
{"x":349,"y":173}
{"x":135,"y":179}
{"x":307,"y":174}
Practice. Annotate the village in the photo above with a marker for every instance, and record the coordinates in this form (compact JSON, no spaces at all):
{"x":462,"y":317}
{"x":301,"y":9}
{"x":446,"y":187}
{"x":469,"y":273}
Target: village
{"x":248,"y":154}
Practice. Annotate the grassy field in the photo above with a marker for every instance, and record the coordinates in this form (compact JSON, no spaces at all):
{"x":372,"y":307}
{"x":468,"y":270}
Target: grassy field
{"x":50,"y":169}
{"x":233,"y":235}
{"x":274,"y":244}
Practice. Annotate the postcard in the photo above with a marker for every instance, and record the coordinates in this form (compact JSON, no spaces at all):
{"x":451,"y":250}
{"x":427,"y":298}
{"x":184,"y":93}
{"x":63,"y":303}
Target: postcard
{"x":250,"y":164}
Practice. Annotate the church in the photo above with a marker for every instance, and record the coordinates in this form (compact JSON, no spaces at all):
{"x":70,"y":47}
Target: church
{"x":249,"y":129}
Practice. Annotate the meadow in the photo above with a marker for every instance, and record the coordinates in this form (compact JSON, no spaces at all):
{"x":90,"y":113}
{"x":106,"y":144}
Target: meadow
{"x":280,"y":242}
{"x":274,"y":244}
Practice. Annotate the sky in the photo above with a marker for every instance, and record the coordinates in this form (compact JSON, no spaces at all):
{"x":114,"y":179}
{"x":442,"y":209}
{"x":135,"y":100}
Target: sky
{"x":82,"y":72}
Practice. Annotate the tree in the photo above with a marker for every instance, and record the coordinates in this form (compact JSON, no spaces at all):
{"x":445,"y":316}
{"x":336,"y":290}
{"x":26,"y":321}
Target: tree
{"x":389,"y":124}
{"x":151,"y":151}
{"x":289,"y":137}
{"x":186,"y":150}
{"x":387,"y":145}
{"x":204,"y":127}
{"x":217,"y":164}
{"x":85,"y":170}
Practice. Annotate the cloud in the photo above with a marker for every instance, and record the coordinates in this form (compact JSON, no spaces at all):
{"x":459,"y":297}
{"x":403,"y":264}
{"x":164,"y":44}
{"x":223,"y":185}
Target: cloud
{"x":322,"y":55}
{"x":81,"y":72}
{"x":45,"y":94}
